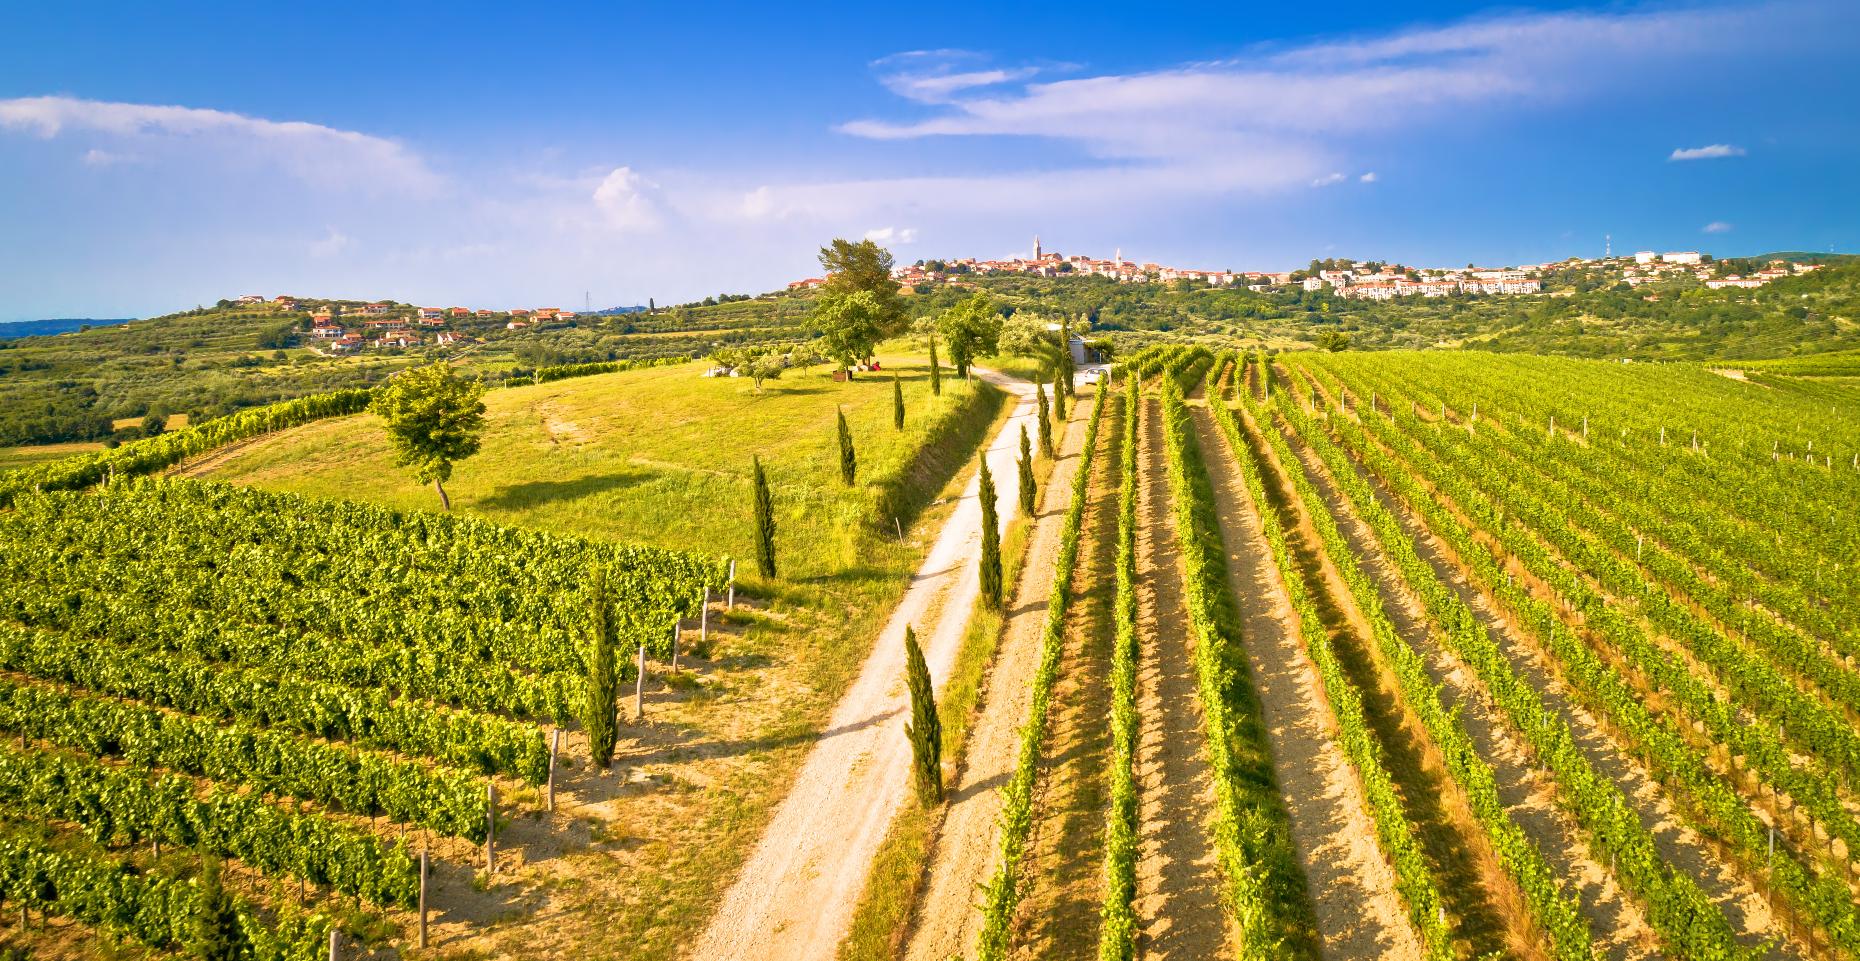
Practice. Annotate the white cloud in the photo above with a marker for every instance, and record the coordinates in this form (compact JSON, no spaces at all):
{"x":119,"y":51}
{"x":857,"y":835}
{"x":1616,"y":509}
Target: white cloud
{"x":311,"y":152}
{"x":332,"y":243}
{"x":625,"y":200}
{"x":1708,"y":152}
{"x":892,"y":235}
{"x":104,"y":158}
{"x":1368,"y":178}
{"x":1717,"y":227}
{"x":1328,"y":179}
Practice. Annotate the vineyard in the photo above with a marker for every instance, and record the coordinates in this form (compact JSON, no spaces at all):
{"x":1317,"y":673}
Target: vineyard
{"x":1471,"y":657}
{"x":329,"y":696}
{"x":1422,"y":656}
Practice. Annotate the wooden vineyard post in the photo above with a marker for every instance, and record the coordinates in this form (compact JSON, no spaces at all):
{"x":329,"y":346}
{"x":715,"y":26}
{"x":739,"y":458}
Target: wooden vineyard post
{"x":639,"y":685}
{"x":729,"y":603}
{"x":555,"y":745}
{"x":674,"y":642}
{"x":490,"y":829}
{"x":704,"y":619}
{"x":424,"y":867}
{"x":334,"y":944}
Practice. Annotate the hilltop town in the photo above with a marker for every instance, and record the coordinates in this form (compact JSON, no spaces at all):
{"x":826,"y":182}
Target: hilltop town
{"x":347,"y":327}
{"x":1369,"y":280}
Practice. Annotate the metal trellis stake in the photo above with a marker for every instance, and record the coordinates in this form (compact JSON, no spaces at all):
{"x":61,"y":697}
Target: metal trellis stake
{"x":490,"y":829}
{"x":704,"y":619}
{"x":425,"y":866}
{"x":639,"y":685}
{"x":674,"y":643}
{"x":555,"y":745}
{"x":729,"y":603}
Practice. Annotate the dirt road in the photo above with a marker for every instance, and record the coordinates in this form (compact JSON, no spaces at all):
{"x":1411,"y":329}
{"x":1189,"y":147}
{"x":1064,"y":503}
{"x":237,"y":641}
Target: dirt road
{"x":794,"y":899}
{"x":965,"y":853}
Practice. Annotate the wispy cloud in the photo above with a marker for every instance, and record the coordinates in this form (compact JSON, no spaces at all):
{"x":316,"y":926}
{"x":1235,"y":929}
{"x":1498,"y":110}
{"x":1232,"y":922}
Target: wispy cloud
{"x":1368,"y":178}
{"x":1717,"y":227}
{"x":332,"y":242}
{"x":625,"y":200}
{"x":311,"y":152}
{"x":1328,"y":179}
{"x":892,"y":235}
{"x":1707,"y":152}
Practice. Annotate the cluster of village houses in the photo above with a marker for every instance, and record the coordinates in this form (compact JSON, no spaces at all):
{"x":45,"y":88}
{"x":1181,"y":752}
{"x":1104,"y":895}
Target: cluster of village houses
{"x":1650,"y":267}
{"x":1363,"y":282}
{"x":350,"y":328}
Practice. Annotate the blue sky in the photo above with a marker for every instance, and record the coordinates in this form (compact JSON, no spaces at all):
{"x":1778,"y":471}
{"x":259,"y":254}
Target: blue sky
{"x":157,"y":156}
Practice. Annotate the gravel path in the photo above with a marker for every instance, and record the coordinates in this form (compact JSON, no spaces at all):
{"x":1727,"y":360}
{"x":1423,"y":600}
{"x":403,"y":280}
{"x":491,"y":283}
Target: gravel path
{"x":794,"y":899}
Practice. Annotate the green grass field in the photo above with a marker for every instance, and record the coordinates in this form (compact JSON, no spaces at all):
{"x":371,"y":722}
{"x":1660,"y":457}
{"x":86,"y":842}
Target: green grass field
{"x":28,"y":455}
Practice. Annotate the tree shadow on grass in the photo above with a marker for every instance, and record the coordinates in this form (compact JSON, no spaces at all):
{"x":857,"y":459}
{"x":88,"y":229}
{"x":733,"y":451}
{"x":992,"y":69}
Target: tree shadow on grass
{"x":529,"y":494}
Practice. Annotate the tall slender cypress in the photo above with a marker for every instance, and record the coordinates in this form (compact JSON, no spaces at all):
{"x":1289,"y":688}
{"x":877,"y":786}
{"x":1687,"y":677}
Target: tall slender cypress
{"x":897,"y":401}
{"x":936,"y":371}
{"x":765,"y":523}
{"x":849,"y":462}
{"x":1059,"y":394}
{"x":925,"y":730}
{"x":217,"y":934}
{"x":1026,"y":473}
{"x":603,"y":685}
{"x":1046,"y":424}
{"x":991,"y":540}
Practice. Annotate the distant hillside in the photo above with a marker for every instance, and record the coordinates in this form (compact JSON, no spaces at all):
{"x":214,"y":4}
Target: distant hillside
{"x":38,"y":328}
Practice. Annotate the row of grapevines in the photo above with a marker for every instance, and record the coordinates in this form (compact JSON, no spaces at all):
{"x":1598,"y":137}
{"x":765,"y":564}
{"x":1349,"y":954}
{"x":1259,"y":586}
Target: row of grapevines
{"x":64,"y":600}
{"x":1662,"y":746}
{"x":1002,"y":894}
{"x":488,"y":744}
{"x":1265,"y":887}
{"x":170,"y":447}
{"x":545,"y":375}
{"x":158,"y":910}
{"x":1414,"y":877}
{"x":121,"y":805}
{"x":1117,"y":930}
{"x":1556,"y":913}
{"x":217,"y":547}
{"x":1753,"y":683}
{"x":361,"y":782}
{"x":1680,"y":913}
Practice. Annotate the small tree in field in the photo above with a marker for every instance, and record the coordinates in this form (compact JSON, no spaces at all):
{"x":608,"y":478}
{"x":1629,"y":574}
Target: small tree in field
{"x":1026,"y":473}
{"x":153,"y":424}
{"x":217,"y":934}
{"x":849,"y":461}
{"x":936,"y":371}
{"x":1059,"y":394}
{"x":971,"y":328}
{"x":925,"y":730}
{"x":434,"y":418}
{"x":991,"y":540}
{"x":765,"y":522}
{"x":897,"y":402}
{"x":1046,"y":425}
{"x":603,"y":685}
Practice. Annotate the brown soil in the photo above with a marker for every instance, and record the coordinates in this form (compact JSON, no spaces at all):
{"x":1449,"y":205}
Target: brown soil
{"x":1178,"y":880}
{"x":1064,"y":859}
{"x":1529,"y":793}
{"x":1678,"y":843}
{"x":1359,"y":914}
{"x":965,"y":853}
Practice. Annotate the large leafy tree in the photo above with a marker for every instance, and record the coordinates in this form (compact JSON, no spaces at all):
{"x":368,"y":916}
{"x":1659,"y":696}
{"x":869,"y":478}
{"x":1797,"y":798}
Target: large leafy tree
{"x":864,"y":266}
{"x":850,"y":325}
{"x":972,"y":328}
{"x":434,"y":419}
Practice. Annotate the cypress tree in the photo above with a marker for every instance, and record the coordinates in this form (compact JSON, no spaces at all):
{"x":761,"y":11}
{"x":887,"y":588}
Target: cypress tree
{"x":936,"y":371}
{"x":897,"y":401}
{"x":217,"y":934}
{"x":849,"y":462}
{"x":603,"y":685}
{"x":925,"y":730}
{"x":765,"y":523}
{"x":1026,"y":473}
{"x":1059,"y":394}
{"x":1046,"y":425}
{"x":991,"y":540}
